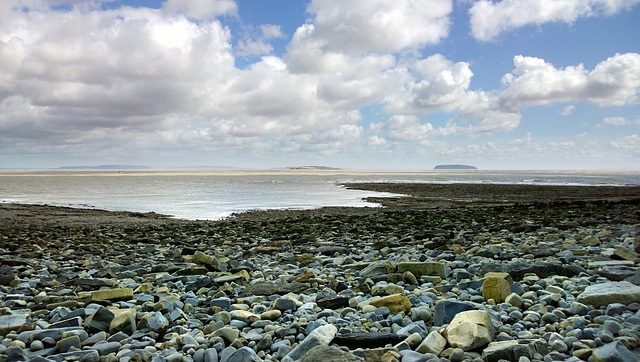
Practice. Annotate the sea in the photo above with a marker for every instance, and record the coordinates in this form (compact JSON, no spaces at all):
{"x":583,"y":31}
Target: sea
{"x":214,"y":195}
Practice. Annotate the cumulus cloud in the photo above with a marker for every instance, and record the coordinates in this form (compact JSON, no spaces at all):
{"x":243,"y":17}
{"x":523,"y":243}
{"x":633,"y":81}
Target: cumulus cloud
{"x":378,"y":25}
{"x":490,"y":18}
{"x":613,"y":82}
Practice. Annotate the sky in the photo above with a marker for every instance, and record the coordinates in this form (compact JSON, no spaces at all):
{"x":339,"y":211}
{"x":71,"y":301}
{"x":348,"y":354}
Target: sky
{"x":359,"y":84}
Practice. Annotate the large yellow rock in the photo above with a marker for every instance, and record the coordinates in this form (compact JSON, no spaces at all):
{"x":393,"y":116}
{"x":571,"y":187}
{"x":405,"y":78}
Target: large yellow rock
{"x":470,"y":330}
{"x":124,"y":320}
{"x":113,"y":295}
{"x":495,"y":288}
{"x":395,"y":303}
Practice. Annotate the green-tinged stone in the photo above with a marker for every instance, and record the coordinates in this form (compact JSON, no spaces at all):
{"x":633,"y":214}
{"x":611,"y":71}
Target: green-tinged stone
{"x":114,"y":295}
{"x":495,"y":288}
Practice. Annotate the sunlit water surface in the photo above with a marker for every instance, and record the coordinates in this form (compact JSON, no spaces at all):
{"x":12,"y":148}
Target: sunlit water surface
{"x":218,"y":194}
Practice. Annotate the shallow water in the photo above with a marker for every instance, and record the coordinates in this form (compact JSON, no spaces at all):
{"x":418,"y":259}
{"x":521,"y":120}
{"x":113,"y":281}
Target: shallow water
{"x":218,"y":194}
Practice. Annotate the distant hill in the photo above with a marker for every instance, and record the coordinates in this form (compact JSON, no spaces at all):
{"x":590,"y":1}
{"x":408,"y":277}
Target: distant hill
{"x":455,"y":167}
{"x":106,"y":167}
{"x":312,"y":168}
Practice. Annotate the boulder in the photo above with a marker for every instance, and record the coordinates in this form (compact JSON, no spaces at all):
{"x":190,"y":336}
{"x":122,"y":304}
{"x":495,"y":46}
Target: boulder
{"x":320,"y":336}
{"x":496,"y":288}
{"x":604,"y":294}
{"x":112,"y":295}
{"x":625,"y":253}
{"x":471,"y":329}
{"x":613,"y":352}
{"x":395,"y":303}
{"x":424,"y":268}
{"x":11,"y":322}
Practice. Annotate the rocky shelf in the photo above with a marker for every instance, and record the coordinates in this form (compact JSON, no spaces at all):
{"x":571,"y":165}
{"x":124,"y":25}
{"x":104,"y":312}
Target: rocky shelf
{"x":450,"y":273}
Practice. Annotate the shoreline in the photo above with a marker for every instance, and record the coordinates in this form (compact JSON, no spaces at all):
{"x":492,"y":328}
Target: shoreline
{"x":549,"y":273}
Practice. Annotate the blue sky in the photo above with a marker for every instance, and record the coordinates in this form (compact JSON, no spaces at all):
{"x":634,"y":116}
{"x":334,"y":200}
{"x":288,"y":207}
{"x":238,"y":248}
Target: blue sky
{"x":376,"y":84}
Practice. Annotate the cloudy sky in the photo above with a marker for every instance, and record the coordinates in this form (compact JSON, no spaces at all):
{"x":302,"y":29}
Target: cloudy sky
{"x":367,"y":84}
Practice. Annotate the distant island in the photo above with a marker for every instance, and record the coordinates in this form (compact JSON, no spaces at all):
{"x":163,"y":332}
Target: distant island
{"x":106,"y":167}
{"x":312,"y":168}
{"x":455,"y":167}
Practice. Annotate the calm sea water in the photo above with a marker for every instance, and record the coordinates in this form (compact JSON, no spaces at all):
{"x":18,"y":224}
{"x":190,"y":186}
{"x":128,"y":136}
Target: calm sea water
{"x":218,"y":194}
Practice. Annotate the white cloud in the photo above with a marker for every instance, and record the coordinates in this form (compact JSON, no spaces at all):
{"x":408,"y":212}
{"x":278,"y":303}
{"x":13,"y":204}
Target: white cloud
{"x":489,"y":18}
{"x":568,"y":110}
{"x":616,"y":121}
{"x":628,"y":143}
{"x":613,"y":82}
{"x":378,"y":25}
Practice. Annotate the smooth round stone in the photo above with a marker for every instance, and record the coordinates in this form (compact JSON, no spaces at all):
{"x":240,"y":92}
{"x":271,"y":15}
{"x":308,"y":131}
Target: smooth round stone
{"x":559,"y":346}
{"x":615,"y":308}
{"x":174,"y":357}
{"x":612,"y":326}
{"x":457,"y":355}
{"x":605,"y":336}
{"x":550,"y":318}
{"x":36,"y":345}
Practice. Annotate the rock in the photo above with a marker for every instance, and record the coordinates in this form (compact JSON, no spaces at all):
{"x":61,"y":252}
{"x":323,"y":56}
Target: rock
{"x":124,"y":320}
{"x":471,"y":329}
{"x":306,"y":276}
{"x":604,"y":294}
{"x":6,"y":275}
{"x":155,"y":322}
{"x":113,"y":295}
{"x":245,"y":316}
{"x":434,"y":343}
{"x":100,"y":320}
{"x":366,"y":340}
{"x":446,"y":309}
{"x":386,"y":289}
{"x":613,"y":352}
{"x":270,"y":315}
{"x":11,"y":322}
{"x":395,"y":303}
{"x":517,"y":270}
{"x":377,"y":268}
{"x":210,"y":262}
{"x":244,"y":354}
{"x":106,"y":348}
{"x":457,"y":355}
{"x":270,"y":288}
{"x":515,"y":300}
{"x":227,"y":334}
{"x":333,"y":302}
{"x":514,"y":350}
{"x":423,"y":268}
{"x":495,"y":288}
{"x":322,"y":335}
{"x":324,"y":353}
{"x":65,"y":344}
{"x":625,"y":253}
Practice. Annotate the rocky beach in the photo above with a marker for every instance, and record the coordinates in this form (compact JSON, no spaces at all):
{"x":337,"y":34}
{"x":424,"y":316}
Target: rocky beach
{"x":449,"y":272}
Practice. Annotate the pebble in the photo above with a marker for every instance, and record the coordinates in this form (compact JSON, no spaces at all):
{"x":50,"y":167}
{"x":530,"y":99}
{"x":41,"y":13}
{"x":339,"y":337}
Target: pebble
{"x":276,"y":289}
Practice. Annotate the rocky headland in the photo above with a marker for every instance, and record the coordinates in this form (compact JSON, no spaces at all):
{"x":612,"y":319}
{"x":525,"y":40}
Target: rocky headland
{"x":446,"y":273}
